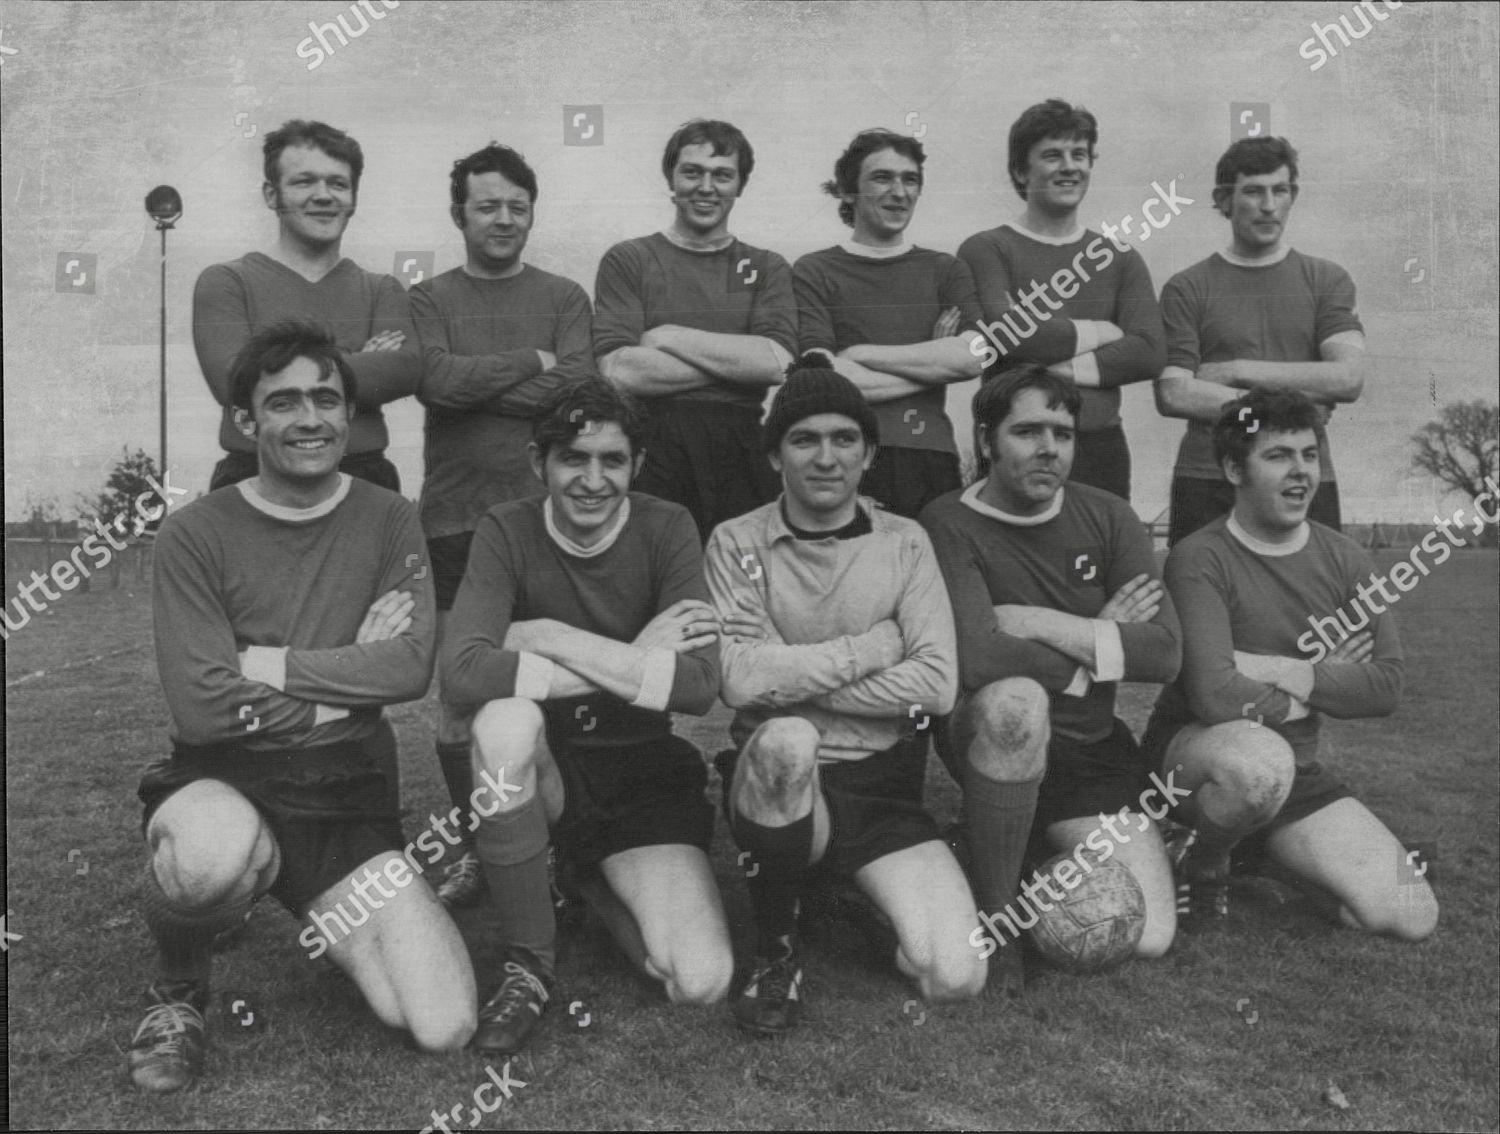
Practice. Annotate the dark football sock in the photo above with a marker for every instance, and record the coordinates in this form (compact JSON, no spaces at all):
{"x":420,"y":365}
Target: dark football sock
{"x":512,"y":847}
{"x":185,"y":935}
{"x":775,"y":871}
{"x":458,"y":774}
{"x":997,"y":818}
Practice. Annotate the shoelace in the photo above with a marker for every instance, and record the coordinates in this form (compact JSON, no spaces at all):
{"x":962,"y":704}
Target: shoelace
{"x":465,"y":869}
{"x":777,"y":978}
{"x":512,"y":995}
{"x":170,"y":1022}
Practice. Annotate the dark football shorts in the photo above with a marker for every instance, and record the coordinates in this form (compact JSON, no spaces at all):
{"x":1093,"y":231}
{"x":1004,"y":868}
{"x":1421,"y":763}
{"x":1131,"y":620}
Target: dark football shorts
{"x":1086,"y":779}
{"x":707,"y":457}
{"x":326,"y":807}
{"x":874,"y":804}
{"x":1197,"y":502}
{"x":617,"y":799}
{"x":449,"y":556}
{"x":905,"y":481}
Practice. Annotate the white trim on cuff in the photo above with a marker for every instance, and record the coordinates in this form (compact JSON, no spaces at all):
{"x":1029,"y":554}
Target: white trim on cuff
{"x":533,"y":676}
{"x":1087,"y":331}
{"x":266,"y":664}
{"x":1109,"y":651}
{"x":1086,"y":370}
{"x":1079,"y":686}
{"x":323,"y":714}
{"x":656,"y":679}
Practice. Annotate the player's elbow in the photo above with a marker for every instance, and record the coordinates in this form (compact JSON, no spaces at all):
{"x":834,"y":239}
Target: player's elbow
{"x":1351,"y":384}
{"x":1170,"y":394}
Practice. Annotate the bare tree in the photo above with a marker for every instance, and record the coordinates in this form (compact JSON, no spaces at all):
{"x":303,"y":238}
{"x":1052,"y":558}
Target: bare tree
{"x":1462,"y":447}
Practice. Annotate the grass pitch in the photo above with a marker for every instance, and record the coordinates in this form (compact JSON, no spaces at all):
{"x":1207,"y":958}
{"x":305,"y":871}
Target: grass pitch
{"x":1405,"y":1035}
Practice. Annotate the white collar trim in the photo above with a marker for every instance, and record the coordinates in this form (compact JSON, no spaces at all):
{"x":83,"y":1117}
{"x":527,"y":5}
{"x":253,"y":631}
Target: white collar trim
{"x":971,"y":498}
{"x":1261,"y":547}
{"x":1263,"y":262}
{"x":251,"y":494}
{"x":1074,"y":235}
{"x":869,"y":252}
{"x":577,"y":549}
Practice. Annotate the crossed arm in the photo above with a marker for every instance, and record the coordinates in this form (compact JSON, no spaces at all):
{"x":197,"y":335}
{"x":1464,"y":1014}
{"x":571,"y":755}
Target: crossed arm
{"x":885,"y":373}
{"x":672,"y":359}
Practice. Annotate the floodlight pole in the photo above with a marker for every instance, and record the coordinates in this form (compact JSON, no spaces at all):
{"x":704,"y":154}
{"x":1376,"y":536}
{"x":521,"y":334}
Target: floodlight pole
{"x":164,"y":205}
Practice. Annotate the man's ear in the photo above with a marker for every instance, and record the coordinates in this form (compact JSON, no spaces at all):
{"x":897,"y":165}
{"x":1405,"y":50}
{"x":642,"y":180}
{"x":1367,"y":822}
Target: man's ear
{"x":538,"y":464}
{"x":457,"y":213}
{"x":636,"y":464}
{"x":1222,"y":195}
{"x":244,"y":422}
{"x":1233,"y":473}
{"x":271,"y":196}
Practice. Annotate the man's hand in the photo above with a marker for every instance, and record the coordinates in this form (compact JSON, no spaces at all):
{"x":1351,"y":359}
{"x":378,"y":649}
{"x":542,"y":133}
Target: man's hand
{"x":389,"y":617}
{"x":1355,"y":648}
{"x":385,"y":340}
{"x":685,"y":626}
{"x":1137,"y":601}
{"x":947,"y":324}
{"x":549,"y":360}
{"x":749,"y":624}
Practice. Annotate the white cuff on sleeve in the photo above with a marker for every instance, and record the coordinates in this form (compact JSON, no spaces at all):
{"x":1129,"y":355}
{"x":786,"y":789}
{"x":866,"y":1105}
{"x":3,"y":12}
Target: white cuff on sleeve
{"x":534,"y":676}
{"x":1088,"y":337}
{"x":1298,"y":678}
{"x":1298,"y":710}
{"x":1086,"y":370}
{"x":1109,"y":652}
{"x":322,"y":714}
{"x":656,"y":679}
{"x":1079,"y":685}
{"x":266,"y":664}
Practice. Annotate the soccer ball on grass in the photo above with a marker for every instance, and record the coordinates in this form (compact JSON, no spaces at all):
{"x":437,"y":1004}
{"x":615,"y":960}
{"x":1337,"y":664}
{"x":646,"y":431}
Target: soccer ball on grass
{"x":1099,"y":920}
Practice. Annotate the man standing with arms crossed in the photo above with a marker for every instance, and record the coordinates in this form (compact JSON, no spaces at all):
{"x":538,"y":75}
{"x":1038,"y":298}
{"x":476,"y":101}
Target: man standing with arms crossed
{"x":289,"y":609}
{"x":1258,"y":314}
{"x":1098,"y":324}
{"x":497,"y":336}
{"x":895,"y":319}
{"x":699,"y":324}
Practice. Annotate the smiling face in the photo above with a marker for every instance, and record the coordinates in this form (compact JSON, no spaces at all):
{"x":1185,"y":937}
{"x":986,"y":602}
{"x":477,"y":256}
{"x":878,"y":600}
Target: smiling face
{"x":300,"y":424}
{"x":313,"y":197}
{"x":821,"y":460}
{"x":889,"y":185}
{"x":587,"y":478}
{"x":1275,"y":486}
{"x":705,"y":188}
{"x":1257,"y":208}
{"x":1056,"y":176}
{"x":496,"y":222}
{"x":1030,"y":453}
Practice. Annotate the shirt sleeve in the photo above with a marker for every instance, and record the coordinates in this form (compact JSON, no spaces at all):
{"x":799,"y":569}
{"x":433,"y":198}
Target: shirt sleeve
{"x":1198,"y":582}
{"x":379,"y":673}
{"x":474,"y":665}
{"x":774,"y":313}
{"x":926,"y":677}
{"x":462,"y":381}
{"x":814,"y":319}
{"x":197,"y":657}
{"x":985,"y":652}
{"x":1054,"y":339}
{"x":772,"y":674}
{"x":1153,"y":650}
{"x":221,"y":324}
{"x":695,"y":682}
{"x":619,"y":307}
{"x":957,"y":289}
{"x":1370,"y":688}
{"x":1336,"y":302}
{"x":572,"y":343}
{"x":1142,"y":353}
{"x":1179,"y":316}
{"x":382,"y":376}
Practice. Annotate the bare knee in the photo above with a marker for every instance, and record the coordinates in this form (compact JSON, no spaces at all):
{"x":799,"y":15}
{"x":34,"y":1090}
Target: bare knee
{"x":782,"y":755}
{"x":1410,"y":917}
{"x":207,"y":843}
{"x":1157,"y":937}
{"x":1253,"y":768}
{"x":699,"y":980}
{"x":1011,"y":726}
{"x":508,"y":732}
{"x":947,"y":979}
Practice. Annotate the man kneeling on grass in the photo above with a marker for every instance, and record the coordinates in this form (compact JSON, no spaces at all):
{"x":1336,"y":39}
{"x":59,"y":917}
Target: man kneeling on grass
{"x":289,"y":609}
{"x":839,"y":650}
{"x":581,"y":624}
{"x":1240,"y":726}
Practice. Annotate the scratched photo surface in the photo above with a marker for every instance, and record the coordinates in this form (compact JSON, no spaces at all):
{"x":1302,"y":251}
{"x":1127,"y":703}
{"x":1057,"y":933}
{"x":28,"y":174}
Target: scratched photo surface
{"x":101,"y":102}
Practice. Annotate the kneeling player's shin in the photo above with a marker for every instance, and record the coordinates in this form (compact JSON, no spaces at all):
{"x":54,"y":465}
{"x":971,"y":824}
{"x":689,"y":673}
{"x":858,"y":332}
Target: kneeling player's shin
{"x":775,"y":861}
{"x":185,"y":934}
{"x":512,"y":845}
